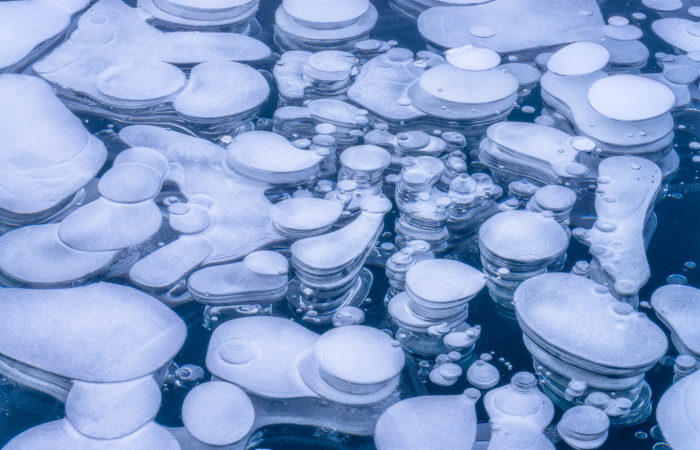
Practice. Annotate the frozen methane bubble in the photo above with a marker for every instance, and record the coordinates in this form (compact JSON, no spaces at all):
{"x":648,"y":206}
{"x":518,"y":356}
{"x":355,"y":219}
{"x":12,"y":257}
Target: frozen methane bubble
{"x":515,"y":151}
{"x":627,"y":189}
{"x":329,"y":267}
{"x":218,"y":413}
{"x":579,"y":58}
{"x":364,"y":164}
{"x":120,"y":334}
{"x":323,"y":24}
{"x":627,"y":115}
{"x":235,"y":15}
{"x":269,"y":158}
{"x":116,"y":63}
{"x":60,"y":434}
{"x":301,"y":75}
{"x":299,"y":218}
{"x":437,"y":421}
{"x":678,"y":307}
{"x":101,"y":362}
{"x":585,"y":338}
{"x":47,"y":157}
{"x":260,"y":279}
{"x":514,"y":434}
{"x":682,"y":34}
{"x":112,"y":410}
{"x":483,"y":375}
{"x":348,"y":315}
{"x":558,"y":200}
{"x":237,"y":208}
{"x":678,"y":413}
{"x":30,"y":26}
{"x":320,"y":378}
{"x":524,"y":28}
{"x":445,"y":374}
{"x":520,"y":400}
{"x":412,"y":8}
{"x":434,"y":305}
{"x":584,"y":427}
{"x":630,"y":97}
{"x":471,"y":57}
{"x":517,"y":245}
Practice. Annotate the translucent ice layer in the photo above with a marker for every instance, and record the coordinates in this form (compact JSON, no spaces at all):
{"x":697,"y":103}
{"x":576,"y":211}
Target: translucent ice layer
{"x":31,"y":27}
{"x":343,"y":379}
{"x":678,"y":307}
{"x":585,"y":340}
{"x":440,"y":421}
{"x":47,"y":155}
{"x":115,"y":63}
{"x":121,"y":334}
{"x":678,"y":414}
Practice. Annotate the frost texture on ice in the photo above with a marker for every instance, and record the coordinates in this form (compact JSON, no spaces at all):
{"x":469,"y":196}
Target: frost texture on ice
{"x":627,"y":189}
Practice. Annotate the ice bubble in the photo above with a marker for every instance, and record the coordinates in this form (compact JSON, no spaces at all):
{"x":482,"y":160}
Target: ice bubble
{"x":630,"y":97}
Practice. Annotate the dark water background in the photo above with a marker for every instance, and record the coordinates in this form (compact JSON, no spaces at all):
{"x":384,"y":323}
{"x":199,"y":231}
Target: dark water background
{"x":674,"y":243}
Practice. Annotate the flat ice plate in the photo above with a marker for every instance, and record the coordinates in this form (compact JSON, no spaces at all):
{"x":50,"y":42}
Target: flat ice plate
{"x":578,"y":316}
{"x":97,"y":333}
{"x":519,"y":24}
{"x":678,"y":306}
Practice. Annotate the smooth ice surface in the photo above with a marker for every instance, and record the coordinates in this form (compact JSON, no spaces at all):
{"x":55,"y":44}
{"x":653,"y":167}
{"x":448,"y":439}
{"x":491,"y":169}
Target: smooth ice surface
{"x":25,"y":25}
{"x":438,"y":421}
{"x":261,"y":355}
{"x":218,"y":413}
{"x":114,"y":46}
{"x":682,"y":34}
{"x":268,"y":157}
{"x":443,"y":281}
{"x":220,"y":89}
{"x":627,"y":189}
{"x":579,"y":58}
{"x":678,"y":413}
{"x":630,"y":97}
{"x":305,"y":217}
{"x":60,"y":435}
{"x":47,"y":154}
{"x":343,"y":247}
{"x":579,"y":317}
{"x":29,"y":254}
{"x":112,"y":410}
{"x":359,"y":355}
{"x":120,"y":333}
{"x":325,"y":14}
{"x":519,"y":25}
{"x":523,"y":236}
{"x":678,"y":306}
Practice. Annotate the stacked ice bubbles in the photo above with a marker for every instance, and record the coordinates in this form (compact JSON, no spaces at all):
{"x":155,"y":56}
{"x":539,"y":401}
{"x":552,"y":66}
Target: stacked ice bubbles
{"x":587,"y":346}
{"x":517,"y":245}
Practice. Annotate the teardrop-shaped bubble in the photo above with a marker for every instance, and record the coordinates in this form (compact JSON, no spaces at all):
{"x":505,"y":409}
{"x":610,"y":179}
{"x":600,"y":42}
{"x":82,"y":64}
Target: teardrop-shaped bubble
{"x":579,"y":58}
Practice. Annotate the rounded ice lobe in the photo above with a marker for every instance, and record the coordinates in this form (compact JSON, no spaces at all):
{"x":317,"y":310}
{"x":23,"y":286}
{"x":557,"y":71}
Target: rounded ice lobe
{"x":142,"y":81}
{"x":579,"y":58}
{"x":630,"y":97}
{"x":471,"y":57}
{"x":325,"y":13}
{"x":218,"y":413}
{"x":120,"y":334}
